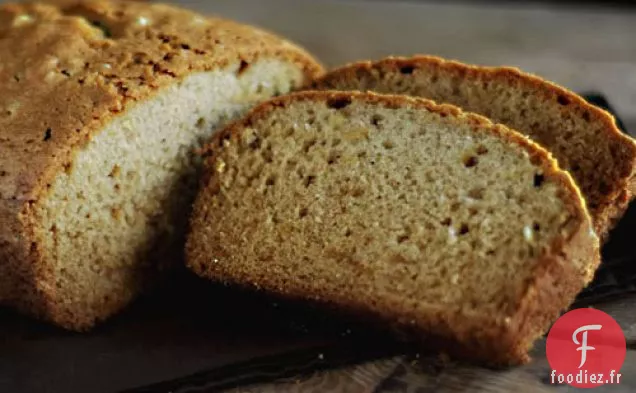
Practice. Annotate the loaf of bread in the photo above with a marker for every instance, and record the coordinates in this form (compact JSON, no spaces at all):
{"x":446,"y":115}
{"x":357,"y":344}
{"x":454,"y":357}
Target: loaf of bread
{"x":102,"y":106}
{"x":583,"y":138}
{"x":433,"y":220}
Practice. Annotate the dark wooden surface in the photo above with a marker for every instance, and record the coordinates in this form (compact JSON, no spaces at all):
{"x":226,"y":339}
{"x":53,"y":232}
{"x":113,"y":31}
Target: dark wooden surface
{"x":428,"y":374}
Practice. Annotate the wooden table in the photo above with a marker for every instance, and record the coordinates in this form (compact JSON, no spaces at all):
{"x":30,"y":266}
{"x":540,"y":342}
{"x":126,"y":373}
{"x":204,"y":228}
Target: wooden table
{"x":583,"y":49}
{"x":427,"y":374}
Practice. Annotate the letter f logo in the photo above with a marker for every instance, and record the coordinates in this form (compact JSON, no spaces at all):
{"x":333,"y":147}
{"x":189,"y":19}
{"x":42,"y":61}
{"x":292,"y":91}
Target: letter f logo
{"x":584,"y":347}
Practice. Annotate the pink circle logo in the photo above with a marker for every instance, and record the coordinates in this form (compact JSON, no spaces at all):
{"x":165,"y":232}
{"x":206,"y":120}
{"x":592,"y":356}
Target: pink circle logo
{"x":586,"y":349}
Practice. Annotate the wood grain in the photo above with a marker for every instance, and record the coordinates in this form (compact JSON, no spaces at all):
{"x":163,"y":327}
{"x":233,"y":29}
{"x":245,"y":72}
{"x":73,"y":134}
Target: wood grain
{"x":428,"y":374}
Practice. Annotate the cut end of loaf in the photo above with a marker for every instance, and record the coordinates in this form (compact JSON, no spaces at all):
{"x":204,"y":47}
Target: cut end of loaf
{"x":583,"y":137}
{"x":117,"y":214}
{"x":105,"y":101}
{"x":399,"y":208}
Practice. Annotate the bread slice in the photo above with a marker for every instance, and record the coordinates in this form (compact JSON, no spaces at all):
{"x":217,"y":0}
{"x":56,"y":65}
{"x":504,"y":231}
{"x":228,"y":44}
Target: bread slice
{"x":583,"y":138}
{"x":103,"y":104}
{"x":429,"y":218}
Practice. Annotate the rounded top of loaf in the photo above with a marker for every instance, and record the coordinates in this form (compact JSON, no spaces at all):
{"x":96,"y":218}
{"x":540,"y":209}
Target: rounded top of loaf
{"x":67,"y":69}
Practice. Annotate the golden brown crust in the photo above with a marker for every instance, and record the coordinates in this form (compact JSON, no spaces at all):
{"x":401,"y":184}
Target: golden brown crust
{"x":562,"y":272}
{"x":72,"y":68}
{"x":618,"y":190}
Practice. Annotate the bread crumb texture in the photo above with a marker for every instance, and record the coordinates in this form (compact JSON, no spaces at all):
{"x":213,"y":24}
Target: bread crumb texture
{"x":583,"y":137}
{"x":435,"y":220}
{"x":102,"y":104}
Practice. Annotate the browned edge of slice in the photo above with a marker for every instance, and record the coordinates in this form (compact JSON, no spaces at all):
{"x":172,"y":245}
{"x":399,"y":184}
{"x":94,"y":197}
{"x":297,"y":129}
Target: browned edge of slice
{"x":616,"y":191}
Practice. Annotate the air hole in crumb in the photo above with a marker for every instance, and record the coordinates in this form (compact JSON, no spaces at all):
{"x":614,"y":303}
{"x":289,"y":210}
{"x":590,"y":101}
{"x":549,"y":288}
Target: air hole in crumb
{"x":407,"y":70}
{"x":255,"y":144}
{"x":115,"y":171}
{"x":271,"y":180}
{"x":308,"y":145}
{"x":476,"y":193}
{"x":538,"y":180}
{"x":303,"y":212}
{"x":470,"y":161}
{"x":387,"y":144}
{"x":455,"y":207}
{"x":481,"y":150}
{"x":200,"y":122}
{"x":309,"y":180}
{"x":348,"y":232}
{"x":339,"y":103}
{"x":402,"y":238}
{"x":335,"y":142}
{"x":563,"y":100}
{"x":48,"y":134}
{"x":376,"y":120}
{"x":105,"y":30}
{"x":333,"y":157}
{"x":587,"y":116}
{"x":536,"y":227}
{"x":267,"y":154}
{"x":447,"y":221}
{"x":243,"y":67}
{"x":463,"y":229}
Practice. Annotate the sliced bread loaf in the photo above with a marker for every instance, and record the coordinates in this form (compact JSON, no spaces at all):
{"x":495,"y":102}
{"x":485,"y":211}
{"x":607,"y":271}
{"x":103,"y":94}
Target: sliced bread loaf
{"x":103,"y":104}
{"x":429,"y":218}
{"x":583,"y":138}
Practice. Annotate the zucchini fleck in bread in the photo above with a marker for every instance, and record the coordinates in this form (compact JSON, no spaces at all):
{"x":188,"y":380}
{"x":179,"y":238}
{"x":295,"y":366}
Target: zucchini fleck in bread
{"x":583,"y":138}
{"x":432,"y":219}
{"x":102,"y":106}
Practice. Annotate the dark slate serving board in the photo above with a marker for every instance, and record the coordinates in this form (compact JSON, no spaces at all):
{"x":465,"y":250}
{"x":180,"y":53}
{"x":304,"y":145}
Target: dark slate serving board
{"x":197,"y":334}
